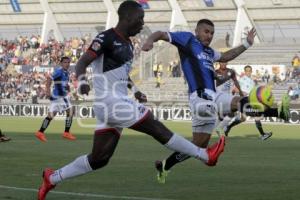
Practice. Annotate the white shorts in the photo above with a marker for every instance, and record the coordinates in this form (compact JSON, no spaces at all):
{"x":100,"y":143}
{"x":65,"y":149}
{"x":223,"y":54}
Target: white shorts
{"x":118,"y":113}
{"x":205,"y":111}
{"x":60,"y":104}
{"x":223,"y":100}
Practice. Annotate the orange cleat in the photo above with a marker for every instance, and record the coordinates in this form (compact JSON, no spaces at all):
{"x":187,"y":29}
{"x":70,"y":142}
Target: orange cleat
{"x":215,"y":151}
{"x":68,"y":136}
{"x":41,"y":136}
{"x":46,"y":185}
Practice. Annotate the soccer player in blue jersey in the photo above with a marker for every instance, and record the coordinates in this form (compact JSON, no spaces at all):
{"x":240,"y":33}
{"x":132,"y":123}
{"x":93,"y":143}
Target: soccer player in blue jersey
{"x":59,"y":100}
{"x":206,"y":104}
{"x":110,"y":55}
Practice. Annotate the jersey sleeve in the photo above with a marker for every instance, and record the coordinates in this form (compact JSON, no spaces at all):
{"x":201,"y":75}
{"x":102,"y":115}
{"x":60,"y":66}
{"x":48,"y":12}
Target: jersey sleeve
{"x":99,"y":44}
{"x":217,"y":55}
{"x":56,"y":74}
{"x":180,"y":39}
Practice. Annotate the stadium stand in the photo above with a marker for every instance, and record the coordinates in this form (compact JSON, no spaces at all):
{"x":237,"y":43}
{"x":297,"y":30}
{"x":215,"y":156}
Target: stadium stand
{"x":275,"y":20}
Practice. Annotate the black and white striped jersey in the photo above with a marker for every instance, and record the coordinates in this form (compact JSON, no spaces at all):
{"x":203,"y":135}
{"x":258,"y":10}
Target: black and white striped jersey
{"x":114,"y":56}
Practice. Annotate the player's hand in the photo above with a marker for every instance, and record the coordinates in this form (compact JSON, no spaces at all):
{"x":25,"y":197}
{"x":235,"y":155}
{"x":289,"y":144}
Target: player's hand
{"x":142,"y":98}
{"x":83,"y":88}
{"x":147,"y":46}
{"x":251,"y":35}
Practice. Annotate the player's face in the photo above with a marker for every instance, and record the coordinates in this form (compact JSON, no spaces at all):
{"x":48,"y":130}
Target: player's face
{"x":248,"y":72}
{"x":205,"y":33}
{"x":66,"y":63}
{"x":136,"y":22}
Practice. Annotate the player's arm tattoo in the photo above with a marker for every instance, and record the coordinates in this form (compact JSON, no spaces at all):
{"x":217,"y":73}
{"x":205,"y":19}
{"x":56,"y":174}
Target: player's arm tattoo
{"x":232,"y":53}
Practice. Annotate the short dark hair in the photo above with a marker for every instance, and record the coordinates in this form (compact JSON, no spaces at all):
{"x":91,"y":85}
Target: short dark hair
{"x":127,"y":7}
{"x":247,"y":66}
{"x":64,"y":58}
{"x":205,"y":21}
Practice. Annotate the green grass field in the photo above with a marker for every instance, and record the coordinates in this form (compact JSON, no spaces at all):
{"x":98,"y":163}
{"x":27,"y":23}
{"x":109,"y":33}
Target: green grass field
{"x":249,"y":168}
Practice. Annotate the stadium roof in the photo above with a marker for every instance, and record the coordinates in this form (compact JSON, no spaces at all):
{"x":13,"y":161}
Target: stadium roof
{"x":274,"y":18}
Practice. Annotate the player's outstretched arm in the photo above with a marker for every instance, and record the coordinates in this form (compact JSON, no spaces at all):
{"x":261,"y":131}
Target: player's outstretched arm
{"x":235,"y":52}
{"x":154,"y":37}
{"x":80,"y":68}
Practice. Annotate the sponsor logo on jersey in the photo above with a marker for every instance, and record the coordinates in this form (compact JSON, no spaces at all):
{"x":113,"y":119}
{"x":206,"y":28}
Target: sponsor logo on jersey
{"x":96,"y":45}
{"x":117,"y":44}
{"x":204,"y":56}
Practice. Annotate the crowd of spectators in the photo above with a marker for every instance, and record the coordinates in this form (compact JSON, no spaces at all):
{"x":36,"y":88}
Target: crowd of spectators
{"x":22,"y":86}
{"x":29,"y":87}
{"x":28,"y":51}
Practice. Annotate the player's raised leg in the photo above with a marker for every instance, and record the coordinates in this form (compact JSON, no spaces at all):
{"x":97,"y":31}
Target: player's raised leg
{"x":105,"y":142}
{"x":182,"y":147}
{"x":176,"y":142}
{"x":204,"y":114}
{"x":163,"y":167}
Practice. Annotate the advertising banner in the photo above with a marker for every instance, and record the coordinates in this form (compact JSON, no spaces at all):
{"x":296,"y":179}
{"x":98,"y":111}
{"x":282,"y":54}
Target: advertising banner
{"x":163,"y":112}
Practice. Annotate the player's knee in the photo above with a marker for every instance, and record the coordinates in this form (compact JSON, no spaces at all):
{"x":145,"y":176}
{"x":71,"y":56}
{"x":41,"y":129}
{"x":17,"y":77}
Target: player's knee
{"x":70,"y":113}
{"x":49,"y":118}
{"x":51,"y":115}
{"x":258,"y":123}
{"x":99,"y":164}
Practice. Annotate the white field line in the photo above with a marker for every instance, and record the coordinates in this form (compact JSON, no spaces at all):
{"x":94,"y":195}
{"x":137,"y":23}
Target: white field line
{"x":82,"y":194}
